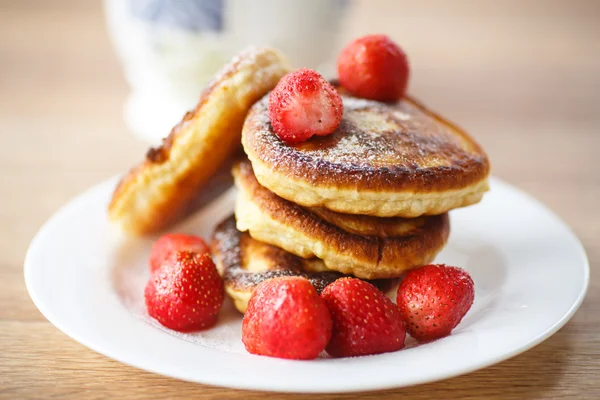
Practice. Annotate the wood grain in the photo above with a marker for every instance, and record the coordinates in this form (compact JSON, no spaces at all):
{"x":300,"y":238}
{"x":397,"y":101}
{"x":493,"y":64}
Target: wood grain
{"x":522,"y":76}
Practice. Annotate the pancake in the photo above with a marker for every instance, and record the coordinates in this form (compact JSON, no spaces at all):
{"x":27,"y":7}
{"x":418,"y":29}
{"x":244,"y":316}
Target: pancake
{"x":384,"y":160}
{"x":160,"y":189}
{"x":364,"y":246}
{"x":244,"y":263}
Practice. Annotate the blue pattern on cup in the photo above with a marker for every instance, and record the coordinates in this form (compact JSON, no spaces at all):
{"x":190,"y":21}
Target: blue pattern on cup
{"x":191,"y":15}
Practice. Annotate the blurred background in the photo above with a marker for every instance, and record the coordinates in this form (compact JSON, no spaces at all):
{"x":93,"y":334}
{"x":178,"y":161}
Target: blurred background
{"x":86,"y":85}
{"x":523,"y":77}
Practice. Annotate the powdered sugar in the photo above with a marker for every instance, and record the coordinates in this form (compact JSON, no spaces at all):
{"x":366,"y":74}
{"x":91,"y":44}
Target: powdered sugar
{"x":373,"y":138}
{"x":355,"y":103}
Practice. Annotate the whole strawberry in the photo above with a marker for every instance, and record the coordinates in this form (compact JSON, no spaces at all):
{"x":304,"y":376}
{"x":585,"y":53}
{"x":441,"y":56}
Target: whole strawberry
{"x":304,"y":104}
{"x":365,"y":321}
{"x":374,"y":67}
{"x":433,"y":299}
{"x":286,"y":318}
{"x":186,"y":292}
{"x":172,"y":242}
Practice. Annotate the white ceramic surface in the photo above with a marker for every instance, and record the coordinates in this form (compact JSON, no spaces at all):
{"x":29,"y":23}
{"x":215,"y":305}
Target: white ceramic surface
{"x":530,"y":273}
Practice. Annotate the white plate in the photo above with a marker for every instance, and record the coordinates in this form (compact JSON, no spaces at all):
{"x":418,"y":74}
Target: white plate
{"x":530,"y":273}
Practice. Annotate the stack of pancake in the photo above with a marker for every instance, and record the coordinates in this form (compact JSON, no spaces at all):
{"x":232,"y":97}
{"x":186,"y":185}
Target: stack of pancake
{"x":370,"y":201}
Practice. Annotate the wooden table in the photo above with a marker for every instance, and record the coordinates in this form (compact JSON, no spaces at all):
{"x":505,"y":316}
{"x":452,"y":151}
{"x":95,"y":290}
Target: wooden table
{"x":523,"y":77}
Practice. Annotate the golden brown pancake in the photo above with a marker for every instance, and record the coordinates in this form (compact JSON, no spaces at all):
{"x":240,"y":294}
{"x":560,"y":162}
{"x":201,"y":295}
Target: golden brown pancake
{"x":384,"y":160}
{"x":364,"y":246}
{"x":159,"y":190}
{"x":244,"y":263}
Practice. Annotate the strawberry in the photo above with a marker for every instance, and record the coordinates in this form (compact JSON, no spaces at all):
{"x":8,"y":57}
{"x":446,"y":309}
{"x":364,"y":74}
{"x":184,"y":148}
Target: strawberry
{"x":286,"y":318}
{"x":365,"y":321}
{"x":374,"y":67}
{"x":433,"y":299}
{"x":304,"y":104}
{"x":172,"y":242}
{"x":186,"y":292}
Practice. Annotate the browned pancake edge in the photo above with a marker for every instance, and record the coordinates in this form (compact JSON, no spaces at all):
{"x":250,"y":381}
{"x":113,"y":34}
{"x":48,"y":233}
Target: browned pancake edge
{"x":228,"y":246}
{"x":459,"y":168}
{"x":381,"y":253}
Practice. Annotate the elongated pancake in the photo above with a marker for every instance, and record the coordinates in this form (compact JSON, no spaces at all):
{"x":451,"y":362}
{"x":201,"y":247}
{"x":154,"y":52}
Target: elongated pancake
{"x":245,"y":262}
{"x":158,"y":191}
{"x":384,"y":160}
{"x":364,"y":246}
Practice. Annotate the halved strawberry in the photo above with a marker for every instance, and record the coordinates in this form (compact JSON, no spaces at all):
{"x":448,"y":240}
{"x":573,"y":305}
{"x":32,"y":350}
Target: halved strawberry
{"x":304,"y":104}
